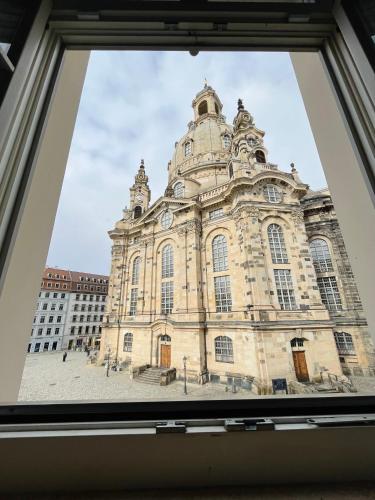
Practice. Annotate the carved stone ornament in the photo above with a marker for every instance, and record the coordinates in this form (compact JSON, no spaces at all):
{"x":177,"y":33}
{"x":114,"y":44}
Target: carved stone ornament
{"x":297,"y":216}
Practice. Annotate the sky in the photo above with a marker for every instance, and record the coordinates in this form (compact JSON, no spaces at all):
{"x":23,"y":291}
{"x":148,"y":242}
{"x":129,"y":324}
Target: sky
{"x":135,"y":105}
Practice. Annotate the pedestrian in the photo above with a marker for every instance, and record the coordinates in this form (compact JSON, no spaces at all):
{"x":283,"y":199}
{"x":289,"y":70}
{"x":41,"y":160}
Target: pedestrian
{"x":87,"y":351}
{"x":64,"y":356}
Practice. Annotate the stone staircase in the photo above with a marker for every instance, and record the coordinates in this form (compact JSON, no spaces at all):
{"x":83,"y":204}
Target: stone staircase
{"x":150,"y":376}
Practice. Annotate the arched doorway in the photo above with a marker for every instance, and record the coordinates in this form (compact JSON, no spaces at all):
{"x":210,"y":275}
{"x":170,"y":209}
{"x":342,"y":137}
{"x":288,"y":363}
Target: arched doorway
{"x":299,"y":359}
{"x":165,"y":351}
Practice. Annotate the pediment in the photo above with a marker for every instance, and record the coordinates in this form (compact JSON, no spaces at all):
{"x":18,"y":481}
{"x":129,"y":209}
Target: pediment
{"x":156,"y":209}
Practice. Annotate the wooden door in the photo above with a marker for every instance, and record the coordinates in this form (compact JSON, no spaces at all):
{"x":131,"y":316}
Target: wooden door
{"x":165,"y":356}
{"x":300,"y":366}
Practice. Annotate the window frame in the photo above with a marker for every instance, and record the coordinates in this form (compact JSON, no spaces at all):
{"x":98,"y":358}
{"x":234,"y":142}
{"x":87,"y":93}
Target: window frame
{"x":284,"y":35}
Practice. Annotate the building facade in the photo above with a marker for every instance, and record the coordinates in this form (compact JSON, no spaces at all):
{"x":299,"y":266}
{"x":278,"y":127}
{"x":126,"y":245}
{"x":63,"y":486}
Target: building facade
{"x":69,"y":312}
{"x":220,"y":272}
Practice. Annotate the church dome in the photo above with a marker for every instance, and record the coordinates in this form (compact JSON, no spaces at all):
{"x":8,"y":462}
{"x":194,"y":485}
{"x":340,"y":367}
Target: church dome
{"x":207,"y":142}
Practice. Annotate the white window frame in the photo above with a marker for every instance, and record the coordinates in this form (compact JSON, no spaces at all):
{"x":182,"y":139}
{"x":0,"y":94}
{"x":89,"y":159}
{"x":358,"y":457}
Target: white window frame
{"x":285,"y":289}
{"x":223,"y":293}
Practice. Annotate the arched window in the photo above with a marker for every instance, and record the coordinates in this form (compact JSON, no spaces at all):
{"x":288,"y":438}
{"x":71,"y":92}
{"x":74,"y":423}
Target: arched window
{"x":220,"y":253}
{"x":271,"y":193}
{"x":137,"y":212}
{"x":230,"y":171}
{"x":166,"y":219}
{"x":344,"y":343}
{"x":297,"y":342}
{"x":167,"y":262}
{"x":226,"y":141}
{"x":321,"y":256}
{"x":259,"y":156}
{"x":165,"y":338}
{"x":128,"y":342}
{"x":202,"y":108}
{"x":178,"y":190}
{"x":187,"y":148}
{"x":277,"y":244}
{"x":135,"y":271}
{"x":224,"y":349}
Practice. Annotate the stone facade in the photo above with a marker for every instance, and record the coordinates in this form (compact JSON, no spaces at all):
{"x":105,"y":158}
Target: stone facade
{"x":219,"y":269}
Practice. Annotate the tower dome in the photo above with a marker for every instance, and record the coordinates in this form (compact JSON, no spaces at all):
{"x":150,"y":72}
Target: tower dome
{"x":202,"y":153}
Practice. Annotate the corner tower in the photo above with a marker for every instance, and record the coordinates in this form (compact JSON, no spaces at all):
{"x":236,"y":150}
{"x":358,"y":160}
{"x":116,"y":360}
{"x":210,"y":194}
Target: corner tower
{"x":140,"y":193}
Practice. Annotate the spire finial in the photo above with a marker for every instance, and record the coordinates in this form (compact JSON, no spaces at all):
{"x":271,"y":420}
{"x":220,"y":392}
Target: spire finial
{"x":240,"y":106}
{"x":142,"y":165}
{"x":294,"y":170}
{"x":205,"y":83}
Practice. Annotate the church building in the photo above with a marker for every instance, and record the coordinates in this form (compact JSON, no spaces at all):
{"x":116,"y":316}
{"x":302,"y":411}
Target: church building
{"x":239,"y":271}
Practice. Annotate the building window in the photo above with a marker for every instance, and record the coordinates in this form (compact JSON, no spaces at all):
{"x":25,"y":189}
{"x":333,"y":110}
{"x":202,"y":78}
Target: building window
{"x":46,"y":295}
{"x":224,"y":349}
{"x":166,"y":297}
{"x":57,"y":331}
{"x":28,"y":348}
{"x":77,"y":296}
{"x":277,"y":244}
{"x":344,"y":343}
{"x":219,"y":253}
{"x":87,"y":329}
{"x":135,"y":271}
{"x":133,"y":302}
{"x":297,"y":342}
{"x":178,"y":190}
{"x":284,"y":287}
{"x":223,"y":296}
{"x":72,"y":330}
{"x":37,"y":347}
{"x":79,"y":330}
{"x":55,"y":295}
{"x":48,"y":331}
{"x":271,"y":193}
{"x":44,"y":306}
{"x":187,"y":148}
{"x":215,"y":214}
{"x":88,"y":318}
{"x":84,"y":297}
{"x":321,"y":256}
{"x":59,"y":319}
{"x":226,"y":141}
{"x":202,"y":108}
{"x":40,"y":331}
{"x":137,"y":211}
{"x":128,"y":342}
{"x":81,"y":318}
{"x":260,"y":156}
{"x":329,"y":293}
{"x":50,"y":319}
{"x":45,"y":346}
{"x":166,"y":219}
{"x":61,"y":307}
{"x":54,"y":346}
{"x":53,"y":307}
{"x":42,"y":319}
{"x":167,"y":262}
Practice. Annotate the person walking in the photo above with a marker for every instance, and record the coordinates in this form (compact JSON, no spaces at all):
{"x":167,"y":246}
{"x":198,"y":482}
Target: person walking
{"x":64,"y":356}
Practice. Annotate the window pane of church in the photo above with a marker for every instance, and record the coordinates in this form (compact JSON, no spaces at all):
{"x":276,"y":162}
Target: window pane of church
{"x":167,"y":262}
{"x":224,"y":349}
{"x":178,"y":190}
{"x":284,"y":287}
{"x":188,"y":148}
{"x":135,"y":273}
{"x":223,"y":295}
{"x":321,"y":256}
{"x":166,"y":219}
{"x":277,"y":244}
{"x":128,"y":342}
{"x":215,"y":214}
{"x":344,"y":343}
{"x":220,"y":253}
{"x":329,"y":292}
{"x":226,"y":141}
{"x":133,"y":301}
{"x":166,"y":297}
{"x":271,"y":193}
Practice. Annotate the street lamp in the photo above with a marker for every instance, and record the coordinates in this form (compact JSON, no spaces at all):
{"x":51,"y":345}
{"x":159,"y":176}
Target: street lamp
{"x":108,"y":358}
{"x":184,"y":359}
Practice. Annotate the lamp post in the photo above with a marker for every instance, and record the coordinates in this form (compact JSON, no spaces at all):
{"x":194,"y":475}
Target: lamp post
{"x":184,"y":359}
{"x":108,"y":358}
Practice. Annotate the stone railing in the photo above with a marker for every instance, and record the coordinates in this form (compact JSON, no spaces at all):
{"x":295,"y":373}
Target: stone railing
{"x":167,"y":376}
{"x":137,"y":370}
{"x":212,"y":193}
{"x":266,"y":166}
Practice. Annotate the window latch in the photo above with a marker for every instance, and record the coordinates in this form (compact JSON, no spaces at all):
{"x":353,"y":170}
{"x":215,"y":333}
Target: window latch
{"x":170,"y":427}
{"x":261,"y":424}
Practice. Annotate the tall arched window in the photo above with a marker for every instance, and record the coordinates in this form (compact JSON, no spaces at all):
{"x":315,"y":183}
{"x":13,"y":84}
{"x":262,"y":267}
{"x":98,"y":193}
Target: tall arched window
{"x":167,"y":262}
{"x":344,"y":343}
{"x":137,"y":212}
{"x":260,"y":156}
{"x":202,"y":108}
{"x":135,"y":271}
{"x":128,"y":342}
{"x":277,"y":244}
{"x":187,"y":148}
{"x":226,"y":141}
{"x":178,"y":190}
{"x":224,"y":349}
{"x":220,"y":253}
{"x":321,"y":256}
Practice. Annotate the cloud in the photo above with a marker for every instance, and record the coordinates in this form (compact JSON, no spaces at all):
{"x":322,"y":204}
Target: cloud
{"x":136,"y":105}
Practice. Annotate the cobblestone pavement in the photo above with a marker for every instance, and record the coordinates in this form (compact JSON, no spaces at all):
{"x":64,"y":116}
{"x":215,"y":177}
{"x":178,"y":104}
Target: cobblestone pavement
{"x":47,"y":378}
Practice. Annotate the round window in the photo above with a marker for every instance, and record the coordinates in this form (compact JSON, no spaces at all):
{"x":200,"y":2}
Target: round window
{"x":166,"y":219}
